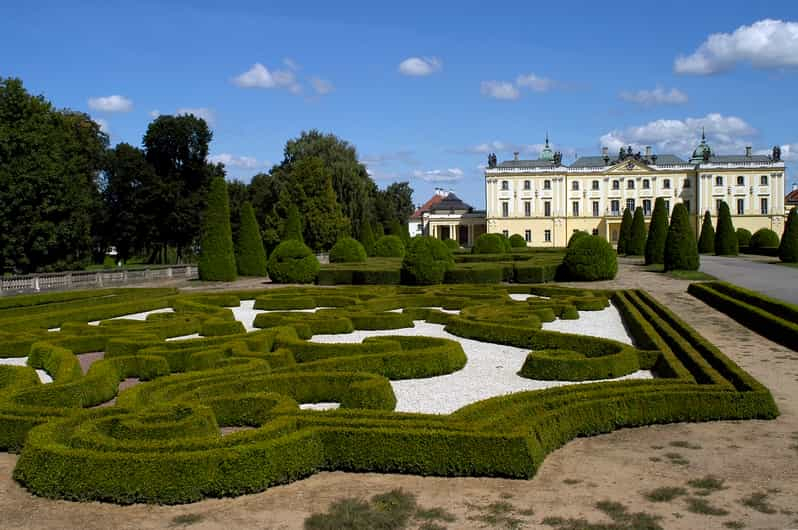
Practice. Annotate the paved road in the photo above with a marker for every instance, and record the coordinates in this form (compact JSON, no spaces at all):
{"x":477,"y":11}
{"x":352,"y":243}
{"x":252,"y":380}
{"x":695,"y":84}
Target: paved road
{"x":760,"y":275}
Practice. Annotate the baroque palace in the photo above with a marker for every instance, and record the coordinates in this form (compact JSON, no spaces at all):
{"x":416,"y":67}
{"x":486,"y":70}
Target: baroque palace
{"x":546,"y":201}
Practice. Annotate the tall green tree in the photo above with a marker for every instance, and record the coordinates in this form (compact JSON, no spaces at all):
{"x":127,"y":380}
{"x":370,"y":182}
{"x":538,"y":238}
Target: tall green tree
{"x":725,"y":235}
{"x":706,"y":242}
{"x":625,"y":233}
{"x":265,"y":190}
{"x":394,"y":204}
{"x":681,"y":249}
{"x":788,"y":247}
{"x":50,"y":163}
{"x":637,"y":239}
{"x":367,"y":239}
{"x":292,"y":230}
{"x":657,"y":232}
{"x":250,"y":255}
{"x":238,"y":194}
{"x":217,"y":258}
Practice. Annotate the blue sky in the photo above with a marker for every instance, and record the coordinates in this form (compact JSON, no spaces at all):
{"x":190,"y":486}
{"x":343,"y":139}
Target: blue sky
{"x":424,"y":90}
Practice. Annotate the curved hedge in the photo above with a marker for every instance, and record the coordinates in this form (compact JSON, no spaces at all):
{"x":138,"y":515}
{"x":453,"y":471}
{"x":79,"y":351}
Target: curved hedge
{"x":491,"y":244}
{"x":426,"y":261}
{"x":590,"y":258}
{"x":569,"y":365}
{"x":517,"y":241}
{"x":389,"y":247}
{"x":762,"y":238}
{"x":347,"y":250}
{"x":293,"y":262}
{"x":743,"y":237}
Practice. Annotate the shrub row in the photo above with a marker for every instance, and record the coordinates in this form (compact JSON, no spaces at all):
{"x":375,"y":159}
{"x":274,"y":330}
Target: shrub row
{"x":569,"y":365}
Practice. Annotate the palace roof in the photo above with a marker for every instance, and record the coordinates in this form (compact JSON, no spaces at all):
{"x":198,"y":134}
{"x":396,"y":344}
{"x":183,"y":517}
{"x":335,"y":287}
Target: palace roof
{"x":451,"y":202}
{"x":427,"y":206}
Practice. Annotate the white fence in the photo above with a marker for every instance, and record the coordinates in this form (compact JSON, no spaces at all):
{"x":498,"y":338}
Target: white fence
{"x":60,"y":281}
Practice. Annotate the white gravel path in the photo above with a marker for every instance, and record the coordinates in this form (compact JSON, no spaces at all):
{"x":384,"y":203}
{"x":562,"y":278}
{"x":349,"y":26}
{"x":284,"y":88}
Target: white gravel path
{"x":323,"y":405}
{"x":44,"y":377}
{"x":136,"y":316}
{"x":524,"y":297}
{"x":606,"y":324}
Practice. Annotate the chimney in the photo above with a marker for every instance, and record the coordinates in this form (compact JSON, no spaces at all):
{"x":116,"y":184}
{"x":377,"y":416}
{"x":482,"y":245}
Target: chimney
{"x":648,"y":151}
{"x":795,"y":186}
{"x":515,"y":155}
{"x":605,"y":151}
{"x":748,"y":151}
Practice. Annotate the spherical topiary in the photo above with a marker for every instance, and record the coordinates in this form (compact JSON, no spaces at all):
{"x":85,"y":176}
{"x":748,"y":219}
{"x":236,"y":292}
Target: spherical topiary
{"x":347,"y":250}
{"x":250,"y":255}
{"x":725,"y":236}
{"x":744,"y":237}
{"x":590,"y":258}
{"x":217,"y":260}
{"x":452,"y":244}
{"x":681,"y":250}
{"x":764,"y":237}
{"x":637,"y":239}
{"x":489,"y":244}
{"x":293,"y":262}
{"x":788,"y":248}
{"x":706,"y":241}
{"x":517,"y":241}
{"x":657,"y":232}
{"x":389,"y":247}
{"x":625,"y":233}
{"x":426,"y":261}
{"x":576,"y":236}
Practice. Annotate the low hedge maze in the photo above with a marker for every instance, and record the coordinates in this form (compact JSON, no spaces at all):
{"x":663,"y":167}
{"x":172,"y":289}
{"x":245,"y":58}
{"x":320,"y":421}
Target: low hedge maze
{"x":161,"y":441}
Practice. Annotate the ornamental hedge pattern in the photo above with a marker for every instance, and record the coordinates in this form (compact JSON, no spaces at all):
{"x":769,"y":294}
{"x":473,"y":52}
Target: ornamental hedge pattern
{"x":160,"y":442}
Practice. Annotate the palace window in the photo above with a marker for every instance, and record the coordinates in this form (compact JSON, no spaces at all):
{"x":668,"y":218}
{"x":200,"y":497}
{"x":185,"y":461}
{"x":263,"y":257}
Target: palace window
{"x":741,"y":180}
{"x":505,"y":233}
{"x":687,"y":206}
{"x":763,"y":206}
{"x":615,"y":207}
{"x":527,"y":185}
{"x":595,"y":184}
{"x":740,"y":206}
{"x":630,"y":203}
{"x":505,"y":185}
{"x":630,"y":184}
{"x":505,"y":209}
{"x":595,"y":231}
{"x":616,"y":184}
{"x":666,"y":184}
{"x":527,"y":208}
{"x":718,"y":180}
{"x":575,"y":208}
{"x":646,"y":184}
{"x":528,"y":235}
{"x":646,"y":206}
{"x":547,"y":208}
{"x":575,"y":185}
{"x":547,"y":236}
{"x":687,"y":183}
{"x":546,"y":184}
{"x":595,"y":208}
{"x":763,"y":180}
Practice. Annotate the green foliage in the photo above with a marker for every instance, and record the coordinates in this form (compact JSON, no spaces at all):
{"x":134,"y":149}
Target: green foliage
{"x":788,"y":248}
{"x":292,"y":262}
{"x":576,"y":236}
{"x":764,"y":238}
{"x":238,"y":194}
{"x":725,"y":235}
{"x":292,"y":230}
{"x":250,"y":255}
{"x":451,"y":243}
{"x":706,"y":242}
{"x":657,"y":233}
{"x":490,"y":244}
{"x":569,"y":365}
{"x":681,"y":250}
{"x":625,"y":233}
{"x":367,"y":239}
{"x":394,"y":206}
{"x":389,"y":247}
{"x":347,"y":250}
{"x":517,"y":241}
{"x":590,"y":259}
{"x":426,"y":261}
{"x":637,"y":238}
{"x":744,"y":238}
{"x":217,"y":259}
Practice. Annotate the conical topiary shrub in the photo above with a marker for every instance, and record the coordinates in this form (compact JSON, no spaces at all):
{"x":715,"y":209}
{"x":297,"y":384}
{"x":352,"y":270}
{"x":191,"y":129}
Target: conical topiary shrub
{"x":681,"y":250}
{"x":725,"y":235}
{"x":217,"y":261}
{"x":788,"y":248}
{"x":657,"y":232}
{"x":293,"y":225}
{"x":625,"y":234}
{"x":250,"y":255}
{"x":706,"y":242}
{"x":637,"y":239}
{"x":367,"y":238}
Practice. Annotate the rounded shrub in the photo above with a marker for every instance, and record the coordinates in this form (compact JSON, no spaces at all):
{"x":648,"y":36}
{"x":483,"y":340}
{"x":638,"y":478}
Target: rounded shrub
{"x":451,"y":244}
{"x":788,"y":248}
{"x":517,"y":241}
{"x":589,"y":259}
{"x":744,"y":237}
{"x":490,"y":244}
{"x":637,"y":237}
{"x":389,"y":247}
{"x":681,"y":250}
{"x":569,"y":365}
{"x":293,"y":262}
{"x":426,"y":261}
{"x":347,"y":250}
{"x":706,"y":241}
{"x":725,"y":236}
{"x":217,"y":260}
{"x":250,"y":255}
{"x":657,"y":232}
{"x":576,"y":236}
{"x":764,"y":237}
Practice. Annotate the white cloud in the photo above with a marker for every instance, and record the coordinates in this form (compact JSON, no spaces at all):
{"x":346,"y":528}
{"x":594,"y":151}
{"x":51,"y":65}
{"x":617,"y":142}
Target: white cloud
{"x":765,"y":44}
{"x":420,"y":66}
{"x":321,"y":86}
{"x":657,"y":96}
{"x":440,"y":175}
{"x":404,"y":157}
{"x":499,"y":147}
{"x":724,"y":133}
{"x":789,"y":152}
{"x":535,"y":83}
{"x":500,"y":90}
{"x":290,"y":63}
{"x":260,"y":77}
{"x":242,"y":162}
{"x":200,"y":112}
{"x":104,"y":127}
{"x":115,"y":103}
{"x":154,"y":113}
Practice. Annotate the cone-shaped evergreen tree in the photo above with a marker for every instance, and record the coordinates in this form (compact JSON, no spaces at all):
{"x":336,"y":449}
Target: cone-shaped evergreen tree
{"x":250,"y":255}
{"x":725,"y":235}
{"x":657,"y":232}
{"x":681,"y":250}
{"x":367,"y":238}
{"x":217,"y":260}
{"x":625,"y":234}
{"x":379,"y":231}
{"x":706,"y":242}
{"x":788,"y":248}
{"x":293,"y":225}
{"x":637,"y":241}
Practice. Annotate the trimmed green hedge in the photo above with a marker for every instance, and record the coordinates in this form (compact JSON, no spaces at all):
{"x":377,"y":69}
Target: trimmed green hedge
{"x":589,"y":259}
{"x":426,"y":261}
{"x":389,"y":247}
{"x":764,"y":238}
{"x":491,"y":244}
{"x":293,"y":262}
{"x":569,"y":365}
{"x":347,"y":250}
{"x":217,"y":261}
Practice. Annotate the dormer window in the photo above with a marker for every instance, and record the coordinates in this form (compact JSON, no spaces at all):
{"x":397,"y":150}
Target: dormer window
{"x":505,"y":185}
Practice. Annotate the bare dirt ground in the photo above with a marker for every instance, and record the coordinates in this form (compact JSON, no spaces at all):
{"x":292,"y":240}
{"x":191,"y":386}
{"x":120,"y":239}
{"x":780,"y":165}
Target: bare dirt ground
{"x":752,"y":457}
